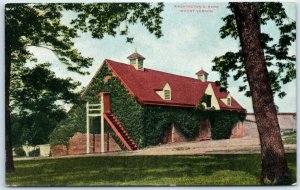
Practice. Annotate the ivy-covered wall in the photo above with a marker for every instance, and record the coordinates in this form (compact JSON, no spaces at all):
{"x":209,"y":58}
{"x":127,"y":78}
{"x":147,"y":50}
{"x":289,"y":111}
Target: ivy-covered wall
{"x":223,"y":121}
{"x":145,"y":124}
{"x":123,"y":105}
{"x":157,"y":118}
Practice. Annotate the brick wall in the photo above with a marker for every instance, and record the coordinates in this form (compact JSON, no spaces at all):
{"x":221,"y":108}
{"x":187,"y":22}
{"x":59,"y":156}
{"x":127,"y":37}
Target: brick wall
{"x":77,"y":145}
{"x":58,"y":150}
{"x":238,"y":130}
{"x":204,"y":131}
{"x":172,"y":135}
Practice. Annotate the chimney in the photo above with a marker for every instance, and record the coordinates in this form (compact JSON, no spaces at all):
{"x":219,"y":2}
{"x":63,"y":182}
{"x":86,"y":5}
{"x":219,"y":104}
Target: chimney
{"x":136,"y":60}
{"x":202,"y":75}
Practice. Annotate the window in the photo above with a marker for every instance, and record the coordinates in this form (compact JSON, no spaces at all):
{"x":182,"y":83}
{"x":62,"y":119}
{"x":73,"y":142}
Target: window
{"x":229,"y":101}
{"x":208,"y":101}
{"x":167,"y":94}
{"x":140,"y":65}
{"x":201,"y":77}
{"x":132,"y":61}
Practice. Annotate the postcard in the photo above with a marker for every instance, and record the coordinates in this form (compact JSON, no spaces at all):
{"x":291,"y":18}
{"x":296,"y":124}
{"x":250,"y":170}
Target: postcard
{"x":150,"y":94}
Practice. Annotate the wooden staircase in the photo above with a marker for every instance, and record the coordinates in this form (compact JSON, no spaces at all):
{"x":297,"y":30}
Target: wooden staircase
{"x":120,"y":131}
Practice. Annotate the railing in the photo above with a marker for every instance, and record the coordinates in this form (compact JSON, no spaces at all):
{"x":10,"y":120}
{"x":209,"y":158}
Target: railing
{"x":94,"y":110}
{"x":97,"y":110}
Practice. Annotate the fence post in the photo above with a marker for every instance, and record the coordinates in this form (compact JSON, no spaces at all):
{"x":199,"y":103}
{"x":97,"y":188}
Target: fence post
{"x":87,"y":129}
{"x":102,"y":123}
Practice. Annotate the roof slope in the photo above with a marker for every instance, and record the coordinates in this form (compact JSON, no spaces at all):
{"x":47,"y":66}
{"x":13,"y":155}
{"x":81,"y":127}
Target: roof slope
{"x":186,"y":91}
{"x":135,"y":55}
{"x":201,"y":72}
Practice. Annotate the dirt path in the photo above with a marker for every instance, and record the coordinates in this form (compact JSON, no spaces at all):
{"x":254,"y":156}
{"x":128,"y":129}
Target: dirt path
{"x":245,"y":145}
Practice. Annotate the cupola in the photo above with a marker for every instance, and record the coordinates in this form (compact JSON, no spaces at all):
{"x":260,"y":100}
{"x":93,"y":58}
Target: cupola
{"x":136,"y":60}
{"x":202,"y":75}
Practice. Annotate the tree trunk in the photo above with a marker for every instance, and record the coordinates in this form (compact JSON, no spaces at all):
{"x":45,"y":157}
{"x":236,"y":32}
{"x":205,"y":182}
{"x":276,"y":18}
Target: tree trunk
{"x":9,"y":162}
{"x":274,"y":164}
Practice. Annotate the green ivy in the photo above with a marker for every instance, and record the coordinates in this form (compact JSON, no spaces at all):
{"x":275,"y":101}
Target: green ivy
{"x":158,"y":118}
{"x":145,"y":124}
{"x":124,"y":106}
{"x":223,"y":121}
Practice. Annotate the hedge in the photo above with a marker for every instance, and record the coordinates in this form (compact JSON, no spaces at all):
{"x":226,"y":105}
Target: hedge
{"x":19,"y":151}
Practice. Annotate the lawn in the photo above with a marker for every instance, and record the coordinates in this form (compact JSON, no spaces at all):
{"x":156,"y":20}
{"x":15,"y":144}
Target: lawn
{"x":142,"y":170}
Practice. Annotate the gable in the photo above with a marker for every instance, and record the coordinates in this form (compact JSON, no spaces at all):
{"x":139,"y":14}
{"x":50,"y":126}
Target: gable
{"x":214,"y":101}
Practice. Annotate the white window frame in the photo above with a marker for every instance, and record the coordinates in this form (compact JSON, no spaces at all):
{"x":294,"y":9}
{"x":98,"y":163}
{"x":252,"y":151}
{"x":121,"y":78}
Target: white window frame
{"x":169,"y":95}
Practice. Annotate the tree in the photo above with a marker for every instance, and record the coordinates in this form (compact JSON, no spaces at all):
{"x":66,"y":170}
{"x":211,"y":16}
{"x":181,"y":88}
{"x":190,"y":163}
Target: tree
{"x":253,"y":60}
{"x":35,"y":100}
{"x":40,"y":25}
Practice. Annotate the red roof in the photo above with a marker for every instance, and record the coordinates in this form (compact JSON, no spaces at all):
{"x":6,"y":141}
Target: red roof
{"x":186,"y":91}
{"x":135,"y":55}
{"x":201,"y":72}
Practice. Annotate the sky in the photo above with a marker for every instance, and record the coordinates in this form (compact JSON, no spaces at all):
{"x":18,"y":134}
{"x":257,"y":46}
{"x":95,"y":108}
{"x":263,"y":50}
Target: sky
{"x":191,"y":40}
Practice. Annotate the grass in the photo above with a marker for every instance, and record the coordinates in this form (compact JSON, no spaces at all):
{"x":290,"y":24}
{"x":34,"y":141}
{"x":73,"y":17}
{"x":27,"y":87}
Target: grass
{"x":142,"y":170}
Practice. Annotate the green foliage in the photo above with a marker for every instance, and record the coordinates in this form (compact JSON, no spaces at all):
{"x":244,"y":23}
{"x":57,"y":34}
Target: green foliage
{"x":34,"y":101}
{"x":222,"y":123}
{"x":34,"y":128}
{"x":75,"y":122}
{"x":106,"y":18}
{"x":281,"y":65}
{"x":19,"y":151}
{"x":157,"y":118}
{"x":34,"y":153}
{"x":40,"y":25}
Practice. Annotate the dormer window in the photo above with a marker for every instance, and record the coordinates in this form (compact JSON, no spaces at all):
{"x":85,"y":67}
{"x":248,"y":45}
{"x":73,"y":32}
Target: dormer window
{"x":165,"y":93}
{"x":229,"y":101}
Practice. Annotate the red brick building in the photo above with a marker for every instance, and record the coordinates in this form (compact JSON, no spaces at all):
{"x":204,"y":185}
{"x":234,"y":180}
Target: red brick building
{"x":155,"y":88}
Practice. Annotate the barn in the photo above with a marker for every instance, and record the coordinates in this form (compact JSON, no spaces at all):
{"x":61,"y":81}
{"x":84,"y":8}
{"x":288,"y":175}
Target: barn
{"x":141,"y":107}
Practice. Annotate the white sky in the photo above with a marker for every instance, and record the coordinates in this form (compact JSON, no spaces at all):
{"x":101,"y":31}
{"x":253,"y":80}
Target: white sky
{"x":190,"y":41}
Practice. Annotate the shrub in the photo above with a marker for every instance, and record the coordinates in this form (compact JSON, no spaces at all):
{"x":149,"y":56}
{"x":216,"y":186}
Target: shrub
{"x":19,"y":151}
{"x":34,"y":153}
